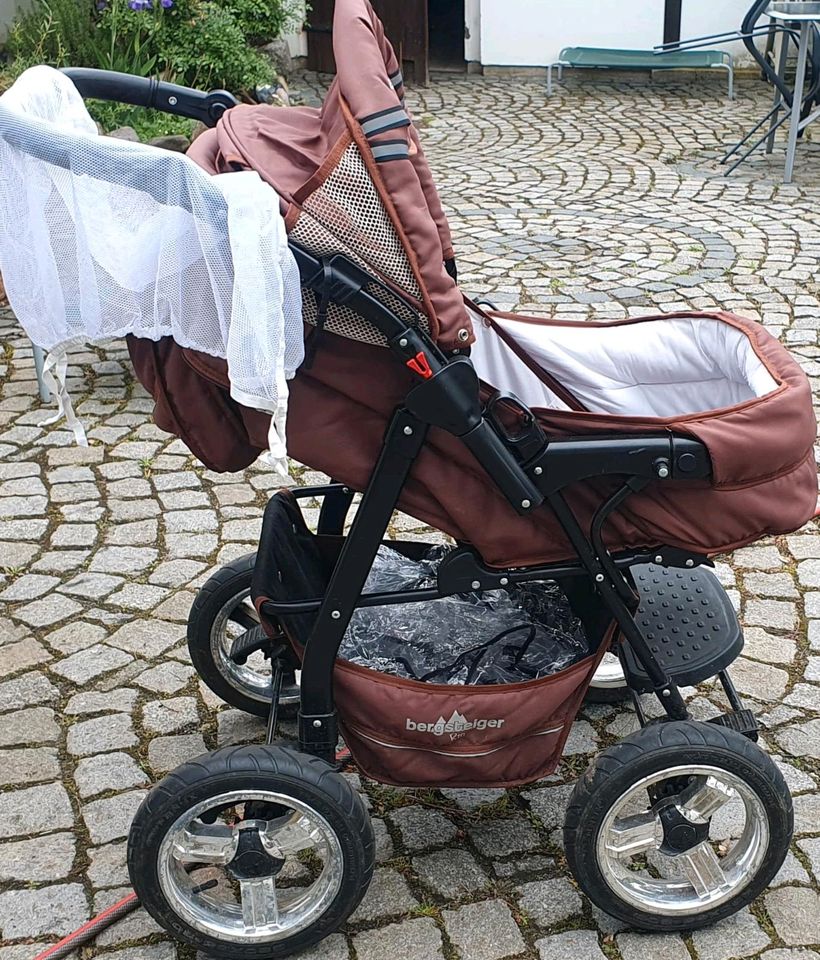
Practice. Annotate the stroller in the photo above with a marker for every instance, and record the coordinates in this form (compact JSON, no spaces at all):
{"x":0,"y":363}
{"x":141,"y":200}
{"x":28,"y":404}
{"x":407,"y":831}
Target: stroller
{"x":609,"y":460}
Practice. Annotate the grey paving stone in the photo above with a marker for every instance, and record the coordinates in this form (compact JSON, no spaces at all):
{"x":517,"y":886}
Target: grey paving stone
{"x":170,"y":716}
{"x":92,"y":701}
{"x":579,"y":945}
{"x":795,"y":913}
{"x":549,"y":804}
{"x":549,"y":901}
{"x":802,"y":739}
{"x":738,"y":936}
{"x":138,"y":596}
{"x":111,"y":732}
{"x":77,"y":635}
{"x":333,"y":947}
{"x":25,"y":691}
{"x":761,"y":681}
{"x":417,"y":939}
{"x":384,"y":842}
{"x":54,"y":910}
{"x":651,"y":946}
{"x":166,"y":677}
{"x":35,"y":810}
{"x":773,"y":614}
{"x":91,"y":585}
{"x":190,"y":521}
{"x":28,"y":587}
{"x":165,"y":753}
{"x":86,"y":664}
{"x":147,"y":638}
{"x":107,"y":865}
{"x":20,"y":655}
{"x":451,"y":873}
{"x":501,"y":838}
{"x":110,"y":818}
{"x":123,"y":560}
{"x":176,"y":573}
{"x":420,"y":828}
{"x":387,"y":896}
{"x":474,"y":799}
{"x":25,"y":765}
{"x":484,"y":931}
{"x":235,"y":726}
{"x":38,"y":860}
{"x":107,"y":771}
{"x":153,"y":951}
{"x":35,"y":725}
{"x":138,"y":533}
{"x":47,"y":610}
{"x":806,"y":813}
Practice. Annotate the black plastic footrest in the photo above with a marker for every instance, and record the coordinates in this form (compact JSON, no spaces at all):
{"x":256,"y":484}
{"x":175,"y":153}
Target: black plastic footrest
{"x":688,"y":622}
{"x":741,"y":721}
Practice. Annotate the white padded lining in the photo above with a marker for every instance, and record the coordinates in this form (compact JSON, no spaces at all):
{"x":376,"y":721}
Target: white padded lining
{"x":663,"y":368}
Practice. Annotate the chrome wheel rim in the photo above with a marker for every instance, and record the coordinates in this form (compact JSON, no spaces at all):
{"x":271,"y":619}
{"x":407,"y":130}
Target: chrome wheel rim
{"x":609,"y":674}
{"x":252,"y":678}
{"x":249,"y":879}
{"x":713,"y":871}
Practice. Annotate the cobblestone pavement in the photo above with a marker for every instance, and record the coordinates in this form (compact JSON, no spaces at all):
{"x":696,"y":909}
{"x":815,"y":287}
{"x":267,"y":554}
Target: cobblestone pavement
{"x":601,"y":203}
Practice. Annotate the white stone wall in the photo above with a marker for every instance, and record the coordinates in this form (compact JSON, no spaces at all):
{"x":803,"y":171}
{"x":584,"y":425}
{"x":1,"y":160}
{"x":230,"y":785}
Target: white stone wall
{"x":532,"y":32}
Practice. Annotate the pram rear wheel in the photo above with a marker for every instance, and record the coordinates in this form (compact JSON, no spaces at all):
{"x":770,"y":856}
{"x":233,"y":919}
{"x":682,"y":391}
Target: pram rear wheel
{"x":678,"y":826}
{"x":608,"y":683}
{"x":221,"y":613}
{"x":251,"y":852}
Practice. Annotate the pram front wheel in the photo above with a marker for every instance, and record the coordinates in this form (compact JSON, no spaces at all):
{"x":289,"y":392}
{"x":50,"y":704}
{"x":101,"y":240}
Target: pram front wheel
{"x":221,"y":617}
{"x":251,"y":852}
{"x":678,"y":826}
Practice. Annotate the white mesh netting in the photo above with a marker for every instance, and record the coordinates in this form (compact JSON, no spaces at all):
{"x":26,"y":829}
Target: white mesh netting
{"x":103,"y":237}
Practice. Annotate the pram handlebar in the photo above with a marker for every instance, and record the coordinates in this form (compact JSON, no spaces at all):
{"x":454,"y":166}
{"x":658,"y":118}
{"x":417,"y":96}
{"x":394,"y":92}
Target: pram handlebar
{"x":150,"y":93}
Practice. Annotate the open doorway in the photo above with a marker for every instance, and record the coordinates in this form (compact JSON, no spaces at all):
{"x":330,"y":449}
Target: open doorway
{"x":445,"y":26}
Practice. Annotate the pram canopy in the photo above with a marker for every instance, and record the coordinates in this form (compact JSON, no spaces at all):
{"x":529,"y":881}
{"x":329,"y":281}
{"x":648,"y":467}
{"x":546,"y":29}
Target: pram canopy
{"x":353,"y":180}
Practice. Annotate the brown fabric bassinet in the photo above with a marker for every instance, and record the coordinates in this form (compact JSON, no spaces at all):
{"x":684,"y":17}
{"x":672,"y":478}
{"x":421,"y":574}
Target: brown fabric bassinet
{"x":353,"y":179}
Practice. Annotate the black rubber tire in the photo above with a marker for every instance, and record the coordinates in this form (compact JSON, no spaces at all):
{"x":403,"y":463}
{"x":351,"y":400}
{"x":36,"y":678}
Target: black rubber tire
{"x":253,"y":767}
{"x":229,"y":581}
{"x":607,"y":694}
{"x":643,"y":753}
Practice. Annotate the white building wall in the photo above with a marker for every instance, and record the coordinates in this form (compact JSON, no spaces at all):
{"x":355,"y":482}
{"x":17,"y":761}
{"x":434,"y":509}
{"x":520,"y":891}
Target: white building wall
{"x":532,"y":32}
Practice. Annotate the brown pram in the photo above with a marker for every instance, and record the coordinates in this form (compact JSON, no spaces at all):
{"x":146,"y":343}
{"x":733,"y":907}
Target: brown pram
{"x":608,"y":461}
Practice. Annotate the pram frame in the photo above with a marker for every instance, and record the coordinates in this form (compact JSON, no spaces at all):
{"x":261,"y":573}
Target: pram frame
{"x":447,"y":397}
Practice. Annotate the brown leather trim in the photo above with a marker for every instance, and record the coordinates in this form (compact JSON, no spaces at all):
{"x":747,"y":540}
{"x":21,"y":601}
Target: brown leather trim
{"x":329,"y":164}
{"x":292,"y":215}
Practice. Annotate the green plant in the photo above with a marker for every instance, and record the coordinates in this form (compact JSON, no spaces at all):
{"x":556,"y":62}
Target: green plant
{"x":57,"y":32}
{"x":208,"y":49}
{"x":198,"y":43}
{"x":262,"y":20}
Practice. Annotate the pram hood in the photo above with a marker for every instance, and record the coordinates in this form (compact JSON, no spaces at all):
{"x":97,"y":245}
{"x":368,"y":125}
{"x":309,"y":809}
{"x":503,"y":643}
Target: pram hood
{"x":353,"y":176}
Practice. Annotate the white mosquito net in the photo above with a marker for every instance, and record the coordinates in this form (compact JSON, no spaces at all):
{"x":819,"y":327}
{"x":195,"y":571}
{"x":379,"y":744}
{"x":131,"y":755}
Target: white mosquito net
{"x":102,"y":237}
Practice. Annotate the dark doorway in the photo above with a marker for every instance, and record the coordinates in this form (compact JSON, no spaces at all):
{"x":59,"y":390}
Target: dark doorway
{"x":445,"y":24}
{"x":405,"y":24}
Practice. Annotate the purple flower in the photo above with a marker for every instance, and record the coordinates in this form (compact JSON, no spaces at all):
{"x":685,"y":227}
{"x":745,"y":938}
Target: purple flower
{"x":102,"y":5}
{"x":140,"y":4}
{"x":166,"y":4}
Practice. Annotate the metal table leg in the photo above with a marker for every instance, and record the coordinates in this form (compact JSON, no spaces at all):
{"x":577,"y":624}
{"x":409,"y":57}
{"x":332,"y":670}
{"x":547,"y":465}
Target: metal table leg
{"x":797,"y":100}
{"x":782,"y":54}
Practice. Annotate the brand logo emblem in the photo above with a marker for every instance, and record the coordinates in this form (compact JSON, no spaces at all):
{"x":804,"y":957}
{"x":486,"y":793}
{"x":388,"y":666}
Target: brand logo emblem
{"x":456,"y":726}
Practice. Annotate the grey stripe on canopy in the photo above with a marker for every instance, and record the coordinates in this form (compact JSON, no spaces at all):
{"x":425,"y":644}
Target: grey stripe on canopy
{"x":384,"y":120}
{"x":391,"y":150}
